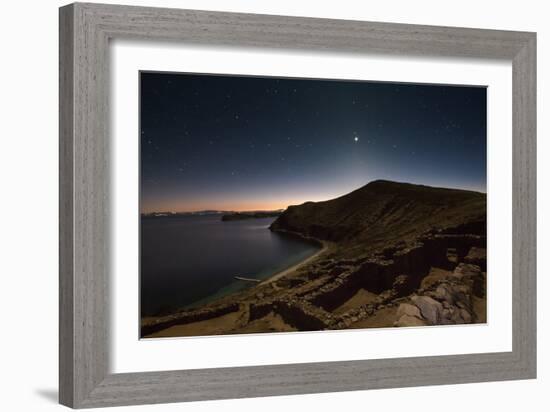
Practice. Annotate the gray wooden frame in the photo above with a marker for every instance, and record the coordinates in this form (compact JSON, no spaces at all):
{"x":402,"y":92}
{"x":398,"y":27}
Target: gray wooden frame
{"x":85,"y":31}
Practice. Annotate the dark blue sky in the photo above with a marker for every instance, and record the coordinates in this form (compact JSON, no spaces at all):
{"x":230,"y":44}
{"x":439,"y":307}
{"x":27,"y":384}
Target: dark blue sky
{"x":251,"y":143}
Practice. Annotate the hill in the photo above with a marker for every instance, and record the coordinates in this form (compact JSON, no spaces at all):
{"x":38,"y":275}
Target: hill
{"x":382,"y":212}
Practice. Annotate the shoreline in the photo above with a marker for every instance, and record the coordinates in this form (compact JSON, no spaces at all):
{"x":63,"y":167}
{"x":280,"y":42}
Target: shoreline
{"x":324,"y":247}
{"x":298,"y":265}
{"x":230,"y":298}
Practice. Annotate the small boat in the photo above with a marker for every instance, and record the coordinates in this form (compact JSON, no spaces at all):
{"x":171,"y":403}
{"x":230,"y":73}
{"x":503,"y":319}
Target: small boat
{"x":247,"y":279}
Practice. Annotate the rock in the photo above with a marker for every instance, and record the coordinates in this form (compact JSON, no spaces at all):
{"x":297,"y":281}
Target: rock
{"x":461,"y":288}
{"x":456,"y":318}
{"x":446,"y":321}
{"x":402,"y":285}
{"x":430,"y":308}
{"x":409,"y":310}
{"x":337,"y":271}
{"x":466,"y":315}
{"x":443,"y":294}
{"x":452,"y":256}
{"x":466,"y":270}
{"x":406,"y":320}
{"x":477,"y":256}
{"x":314,"y":274}
{"x":464,"y":298}
{"x":386,"y":296}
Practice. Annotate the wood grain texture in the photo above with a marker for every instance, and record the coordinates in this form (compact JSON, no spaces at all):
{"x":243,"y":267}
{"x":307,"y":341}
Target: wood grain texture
{"x":66,"y":229}
{"x":85,"y":31}
{"x":524,"y":224}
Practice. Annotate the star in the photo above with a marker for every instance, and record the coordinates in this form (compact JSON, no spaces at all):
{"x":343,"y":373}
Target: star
{"x":356,"y":138}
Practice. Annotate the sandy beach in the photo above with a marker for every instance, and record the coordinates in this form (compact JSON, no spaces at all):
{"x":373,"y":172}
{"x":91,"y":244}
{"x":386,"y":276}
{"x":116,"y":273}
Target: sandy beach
{"x":291,"y":269}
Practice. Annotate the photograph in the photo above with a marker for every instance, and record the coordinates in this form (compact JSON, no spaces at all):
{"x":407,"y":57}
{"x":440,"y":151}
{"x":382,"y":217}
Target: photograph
{"x":278,"y":204}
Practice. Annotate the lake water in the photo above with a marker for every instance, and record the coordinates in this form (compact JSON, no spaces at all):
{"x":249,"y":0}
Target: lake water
{"x":191,"y":260}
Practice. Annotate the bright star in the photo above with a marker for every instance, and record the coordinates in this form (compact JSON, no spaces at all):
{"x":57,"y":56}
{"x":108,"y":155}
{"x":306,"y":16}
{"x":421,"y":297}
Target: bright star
{"x":356,"y":138}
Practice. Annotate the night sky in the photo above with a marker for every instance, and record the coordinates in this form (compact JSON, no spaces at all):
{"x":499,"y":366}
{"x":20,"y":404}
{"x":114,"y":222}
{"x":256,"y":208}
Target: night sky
{"x":253,"y":143}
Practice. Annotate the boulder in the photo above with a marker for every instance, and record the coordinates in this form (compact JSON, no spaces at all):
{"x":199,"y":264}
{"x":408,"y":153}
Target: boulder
{"x":466,"y":270}
{"x":444,"y":293}
{"x":456,"y":318}
{"x":430,"y":308}
{"x":464,"y":314}
{"x":409,"y":310}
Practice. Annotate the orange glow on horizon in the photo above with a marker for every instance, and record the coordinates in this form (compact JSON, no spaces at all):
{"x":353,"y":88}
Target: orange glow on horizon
{"x":249,"y":205}
{"x":232,"y":206}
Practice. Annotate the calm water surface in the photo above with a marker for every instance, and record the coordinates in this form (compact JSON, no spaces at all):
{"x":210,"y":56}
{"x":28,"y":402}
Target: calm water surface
{"x":188,"y":261}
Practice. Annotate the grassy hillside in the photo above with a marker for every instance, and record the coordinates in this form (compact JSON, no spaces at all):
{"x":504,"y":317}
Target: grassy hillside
{"x":382,"y":212}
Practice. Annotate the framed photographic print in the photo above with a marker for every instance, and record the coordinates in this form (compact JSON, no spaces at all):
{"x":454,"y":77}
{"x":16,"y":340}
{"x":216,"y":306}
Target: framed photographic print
{"x":263,"y":209}
{"x":244,"y":196}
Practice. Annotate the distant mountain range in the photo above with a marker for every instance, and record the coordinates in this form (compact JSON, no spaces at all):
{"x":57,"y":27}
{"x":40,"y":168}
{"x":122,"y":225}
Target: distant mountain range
{"x":226,"y":215}
{"x":198,"y":213}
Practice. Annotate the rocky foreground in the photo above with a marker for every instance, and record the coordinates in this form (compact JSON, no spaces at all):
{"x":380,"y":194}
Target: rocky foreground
{"x":395,"y":255}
